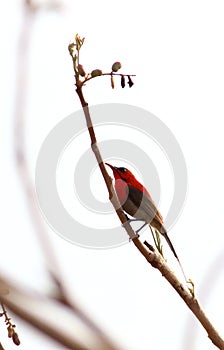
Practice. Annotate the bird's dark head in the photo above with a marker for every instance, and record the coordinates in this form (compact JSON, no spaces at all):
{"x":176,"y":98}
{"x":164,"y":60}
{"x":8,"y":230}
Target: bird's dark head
{"x":121,"y":173}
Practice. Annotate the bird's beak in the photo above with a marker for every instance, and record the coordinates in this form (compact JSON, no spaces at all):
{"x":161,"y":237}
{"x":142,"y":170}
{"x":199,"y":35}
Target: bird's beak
{"x":111,"y":166}
{"x":114,"y":169}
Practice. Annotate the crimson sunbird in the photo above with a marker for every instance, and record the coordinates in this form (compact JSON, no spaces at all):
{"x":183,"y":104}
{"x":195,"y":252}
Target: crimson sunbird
{"x":137,"y":202}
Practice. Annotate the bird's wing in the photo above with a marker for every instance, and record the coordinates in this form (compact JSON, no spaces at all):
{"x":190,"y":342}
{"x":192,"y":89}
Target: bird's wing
{"x":148,"y":212}
{"x":145,"y":204}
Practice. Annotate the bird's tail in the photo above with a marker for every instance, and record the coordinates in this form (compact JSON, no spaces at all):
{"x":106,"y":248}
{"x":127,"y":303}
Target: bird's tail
{"x":165,"y":235}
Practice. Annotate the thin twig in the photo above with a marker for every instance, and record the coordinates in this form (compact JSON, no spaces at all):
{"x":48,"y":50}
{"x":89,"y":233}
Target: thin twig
{"x":10,"y":326}
{"x":104,"y":74}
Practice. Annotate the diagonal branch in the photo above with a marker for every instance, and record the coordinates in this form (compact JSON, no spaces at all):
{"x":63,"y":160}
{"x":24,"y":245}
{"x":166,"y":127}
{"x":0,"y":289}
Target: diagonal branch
{"x":151,"y":255}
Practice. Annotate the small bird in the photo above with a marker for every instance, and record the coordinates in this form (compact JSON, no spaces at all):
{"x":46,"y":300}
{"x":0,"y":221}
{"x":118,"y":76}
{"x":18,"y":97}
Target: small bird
{"x":137,"y":202}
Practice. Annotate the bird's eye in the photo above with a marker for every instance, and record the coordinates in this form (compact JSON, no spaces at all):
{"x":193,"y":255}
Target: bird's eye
{"x":123,"y":170}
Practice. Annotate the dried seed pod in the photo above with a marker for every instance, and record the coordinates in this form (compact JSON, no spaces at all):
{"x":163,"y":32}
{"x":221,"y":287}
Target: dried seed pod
{"x":10,"y":330}
{"x":122,"y":81}
{"x":130,"y":82}
{"x":116,"y":66}
{"x":96,"y":73}
{"x":15,"y":338}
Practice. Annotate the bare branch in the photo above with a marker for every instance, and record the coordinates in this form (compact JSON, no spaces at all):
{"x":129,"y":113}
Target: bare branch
{"x":52,"y":319}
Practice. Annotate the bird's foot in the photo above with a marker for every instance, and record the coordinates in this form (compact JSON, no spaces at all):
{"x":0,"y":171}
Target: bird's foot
{"x":141,"y":226}
{"x":131,"y":220}
{"x":127,"y":222}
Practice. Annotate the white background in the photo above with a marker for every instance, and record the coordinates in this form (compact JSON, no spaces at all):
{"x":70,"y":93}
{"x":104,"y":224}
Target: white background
{"x":176,"y":50}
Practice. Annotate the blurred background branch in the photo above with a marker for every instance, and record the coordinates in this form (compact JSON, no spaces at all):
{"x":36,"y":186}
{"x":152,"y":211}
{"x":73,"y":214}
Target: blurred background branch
{"x":53,"y":319}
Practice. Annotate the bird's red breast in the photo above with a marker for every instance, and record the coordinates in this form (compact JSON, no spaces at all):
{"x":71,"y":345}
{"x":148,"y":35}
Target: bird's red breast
{"x":132,"y":194}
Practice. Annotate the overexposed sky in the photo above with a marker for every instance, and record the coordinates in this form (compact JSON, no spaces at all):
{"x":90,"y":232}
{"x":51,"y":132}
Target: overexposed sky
{"x":176,"y":51}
